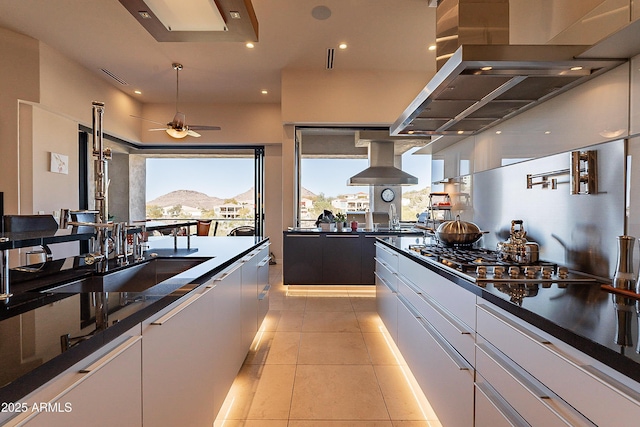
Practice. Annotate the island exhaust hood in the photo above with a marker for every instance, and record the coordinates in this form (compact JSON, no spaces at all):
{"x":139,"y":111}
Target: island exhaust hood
{"x":481,"y":85}
{"x":382,"y":170}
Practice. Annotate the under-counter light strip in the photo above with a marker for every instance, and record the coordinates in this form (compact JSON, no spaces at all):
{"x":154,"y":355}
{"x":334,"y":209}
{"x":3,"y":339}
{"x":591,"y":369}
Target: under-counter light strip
{"x":403,"y":368}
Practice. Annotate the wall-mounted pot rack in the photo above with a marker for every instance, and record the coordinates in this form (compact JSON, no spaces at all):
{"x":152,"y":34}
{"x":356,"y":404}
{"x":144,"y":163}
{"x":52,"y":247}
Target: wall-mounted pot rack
{"x":583,"y":173}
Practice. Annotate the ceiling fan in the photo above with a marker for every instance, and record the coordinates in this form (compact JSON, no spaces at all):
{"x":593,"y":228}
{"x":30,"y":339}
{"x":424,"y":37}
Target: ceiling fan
{"x":177,"y":128}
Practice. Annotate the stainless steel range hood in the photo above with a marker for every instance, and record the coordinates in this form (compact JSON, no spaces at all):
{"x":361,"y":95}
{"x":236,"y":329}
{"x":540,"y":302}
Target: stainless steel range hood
{"x":481,"y":85}
{"x":382,"y":170}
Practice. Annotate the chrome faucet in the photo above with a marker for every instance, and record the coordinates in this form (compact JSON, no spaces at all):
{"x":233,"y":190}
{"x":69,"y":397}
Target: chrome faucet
{"x":394,"y":223}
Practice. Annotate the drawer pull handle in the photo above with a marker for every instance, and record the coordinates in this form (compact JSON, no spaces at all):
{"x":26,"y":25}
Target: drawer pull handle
{"x":589,"y":370}
{"x":164,"y":319}
{"x":436,"y":306}
{"x":447,"y":348}
{"x":513,"y":371}
{"x":227,"y":273}
{"x":384,"y":248}
{"x":514,"y":325}
{"x":111,"y":355}
{"x":384,"y":282}
{"x":507,"y":412}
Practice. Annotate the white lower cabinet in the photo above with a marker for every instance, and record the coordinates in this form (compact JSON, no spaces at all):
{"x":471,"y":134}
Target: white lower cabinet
{"x":174,"y":369}
{"x":249,"y":298}
{"x":263,"y":283}
{"x":522,"y":396}
{"x":479,"y":365}
{"x":102,"y":390}
{"x":574,"y":389}
{"x":444,"y":376}
{"x":226,"y":331}
{"x":177,"y":356}
{"x":492,"y":410}
{"x":387,"y":303}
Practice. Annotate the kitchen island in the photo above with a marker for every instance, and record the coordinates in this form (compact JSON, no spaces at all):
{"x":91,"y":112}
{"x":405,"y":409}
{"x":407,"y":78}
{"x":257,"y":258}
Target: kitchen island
{"x":535,"y":353}
{"x":315,"y":257}
{"x":191,"y":331}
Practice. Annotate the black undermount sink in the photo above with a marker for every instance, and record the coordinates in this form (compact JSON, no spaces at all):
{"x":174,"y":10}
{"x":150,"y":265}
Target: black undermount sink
{"x":136,"y":278}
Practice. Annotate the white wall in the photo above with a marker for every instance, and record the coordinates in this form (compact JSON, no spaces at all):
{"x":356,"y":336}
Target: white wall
{"x":240,"y":123}
{"x":18,"y":81}
{"x":348,"y":97}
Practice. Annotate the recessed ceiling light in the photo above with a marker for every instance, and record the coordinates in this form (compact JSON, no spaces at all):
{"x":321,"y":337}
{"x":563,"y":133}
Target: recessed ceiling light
{"x":576,"y":68}
{"x":460,"y":132}
{"x":137,"y":92}
{"x":250,"y":45}
{"x":486,"y":68}
{"x":234,"y":14}
{"x":547,"y":132}
{"x":264,"y":91}
{"x":498,"y":132}
{"x":342,"y":46}
{"x":144,"y":14}
{"x":432,"y":47}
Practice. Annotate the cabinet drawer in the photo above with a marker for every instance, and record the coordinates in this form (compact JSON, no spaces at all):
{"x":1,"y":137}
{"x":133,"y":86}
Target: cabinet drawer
{"x":388,"y":256}
{"x":458,"y":301}
{"x":443,"y":375}
{"x":389,"y":276}
{"x":568,"y":373}
{"x":387,"y":306}
{"x":457,"y":333}
{"x":538,"y":405}
{"x":492,"y":410}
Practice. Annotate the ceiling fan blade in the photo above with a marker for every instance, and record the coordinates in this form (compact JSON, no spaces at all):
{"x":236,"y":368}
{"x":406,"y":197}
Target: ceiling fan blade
{"x":200,"y":127}
{"x":192,"y":133}
{"x":151,"y":130}
{"x":147,"y":120}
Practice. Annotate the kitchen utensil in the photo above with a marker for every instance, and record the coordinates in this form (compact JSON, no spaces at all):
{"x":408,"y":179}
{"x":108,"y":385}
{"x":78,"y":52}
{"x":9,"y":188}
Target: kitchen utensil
{"x":458,"y":232}
{"x":624,"y":276}
{"x":518,"y":249}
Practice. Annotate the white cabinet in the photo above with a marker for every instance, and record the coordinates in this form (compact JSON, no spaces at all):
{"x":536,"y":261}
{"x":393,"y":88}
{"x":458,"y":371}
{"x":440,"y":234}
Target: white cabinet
{"x":179,"y":372}
{"x":519,"y":392}
{"x":387,"y":289}
{"x":444,"y":376}
{"x":102,"y":390}
{"x":263,"y":283}
{"x":227,"y":331}
{"x":492,"y":410}
{"x":249,"y":319}
{"x":457,"y":333}
{"x":571,"y":376}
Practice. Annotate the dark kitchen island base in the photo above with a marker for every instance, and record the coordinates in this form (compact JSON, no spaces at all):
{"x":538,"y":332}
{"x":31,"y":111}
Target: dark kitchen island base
{"x":313,"y":257}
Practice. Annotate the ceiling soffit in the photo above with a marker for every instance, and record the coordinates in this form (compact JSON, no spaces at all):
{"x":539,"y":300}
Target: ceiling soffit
{"x":242,"y":29}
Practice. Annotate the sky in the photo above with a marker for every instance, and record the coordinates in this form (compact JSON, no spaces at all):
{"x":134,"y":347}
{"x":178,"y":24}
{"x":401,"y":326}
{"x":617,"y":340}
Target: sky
{"x":228,"y":177}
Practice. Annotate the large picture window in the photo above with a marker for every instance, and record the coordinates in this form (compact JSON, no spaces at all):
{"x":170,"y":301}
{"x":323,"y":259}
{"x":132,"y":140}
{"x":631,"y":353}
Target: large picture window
{"x":328,"y":157}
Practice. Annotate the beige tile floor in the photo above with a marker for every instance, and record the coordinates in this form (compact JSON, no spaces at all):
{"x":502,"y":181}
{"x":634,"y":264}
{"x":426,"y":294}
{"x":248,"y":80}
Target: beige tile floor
{"x":323,"y":359}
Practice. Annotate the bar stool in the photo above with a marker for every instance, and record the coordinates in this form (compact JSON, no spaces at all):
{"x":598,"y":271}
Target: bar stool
{"x":203,"y":226}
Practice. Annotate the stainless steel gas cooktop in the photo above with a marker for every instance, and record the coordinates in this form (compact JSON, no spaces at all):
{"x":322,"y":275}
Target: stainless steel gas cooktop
{"x":484,"y":266}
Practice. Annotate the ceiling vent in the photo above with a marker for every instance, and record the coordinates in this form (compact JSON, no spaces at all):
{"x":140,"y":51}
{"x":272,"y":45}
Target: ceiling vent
{"x":114,"y":77}
{"x":331,"y":52}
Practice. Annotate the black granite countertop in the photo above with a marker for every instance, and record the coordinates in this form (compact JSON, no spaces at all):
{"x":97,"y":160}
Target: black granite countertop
{"x":33,"y":320}
{"x":580,"y":314}
{"x":348,"y":231}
